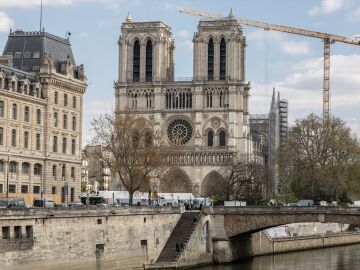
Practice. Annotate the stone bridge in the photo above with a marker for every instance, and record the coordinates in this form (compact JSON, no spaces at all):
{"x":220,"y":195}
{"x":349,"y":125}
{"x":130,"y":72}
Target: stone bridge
{"x":230,"y":222}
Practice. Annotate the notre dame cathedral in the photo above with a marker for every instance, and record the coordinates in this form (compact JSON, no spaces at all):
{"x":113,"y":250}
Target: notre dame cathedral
{"x":207,"y":115}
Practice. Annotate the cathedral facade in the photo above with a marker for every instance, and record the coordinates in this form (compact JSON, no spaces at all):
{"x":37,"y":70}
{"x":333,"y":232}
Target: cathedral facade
{"x":206,"y":115}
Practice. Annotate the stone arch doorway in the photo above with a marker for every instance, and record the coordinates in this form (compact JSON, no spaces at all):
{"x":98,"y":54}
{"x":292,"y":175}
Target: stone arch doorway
{"x":176,"y":180}
{"x":213,"y":184}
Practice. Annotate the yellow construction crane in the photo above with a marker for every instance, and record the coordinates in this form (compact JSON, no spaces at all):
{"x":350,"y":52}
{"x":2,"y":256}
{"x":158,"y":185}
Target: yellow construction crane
{"x":327,"y":38}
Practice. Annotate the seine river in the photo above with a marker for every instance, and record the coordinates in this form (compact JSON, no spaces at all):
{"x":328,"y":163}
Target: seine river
{"x":338,"y":258}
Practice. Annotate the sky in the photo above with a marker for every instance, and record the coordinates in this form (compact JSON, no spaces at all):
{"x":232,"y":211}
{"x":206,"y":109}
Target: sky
{"x":294,"y":63}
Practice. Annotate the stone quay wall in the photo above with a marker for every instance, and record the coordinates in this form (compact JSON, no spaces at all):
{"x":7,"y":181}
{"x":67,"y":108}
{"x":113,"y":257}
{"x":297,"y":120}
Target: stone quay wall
{"x":74,"y":239}
{"x":228,"y":250}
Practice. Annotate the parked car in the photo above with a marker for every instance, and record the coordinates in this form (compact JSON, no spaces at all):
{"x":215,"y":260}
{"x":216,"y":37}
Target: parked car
{"x":75,"y":204}
{"x":12,"y":203}
{"x":40,"y":203}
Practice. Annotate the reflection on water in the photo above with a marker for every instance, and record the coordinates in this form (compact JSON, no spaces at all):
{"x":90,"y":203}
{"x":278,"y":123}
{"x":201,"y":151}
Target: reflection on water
{"x":338,"y":258}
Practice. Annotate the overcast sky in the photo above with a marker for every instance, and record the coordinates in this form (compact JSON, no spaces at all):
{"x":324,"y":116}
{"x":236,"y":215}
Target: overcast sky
{"x":294,"y":62}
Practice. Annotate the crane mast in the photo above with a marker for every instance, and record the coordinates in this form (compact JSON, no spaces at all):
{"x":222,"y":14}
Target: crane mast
{"x":327,"y":38}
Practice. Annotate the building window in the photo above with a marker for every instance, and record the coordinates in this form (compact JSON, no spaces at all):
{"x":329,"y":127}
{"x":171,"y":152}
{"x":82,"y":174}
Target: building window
{"x":55,"y":143}
{"x":12,"y":167}
{"x":13,"y":138}
{"x":37,"y":169}
{"x":74,"y":102}
{"x":211,"y":59}
{"x":210,"y":138}
{"x":1,"y":136}
{"x":72,"y":195}
{"x":38,"y":116}
{"x":1,"y":188}
{"x":36,"y":54}
{"x":53,"y":190}
{"x":2,"y":108}
{"x":73,"y":146}
{"x":133,"y":100}
{"x":12,"y":188}
{"x":65,"y":100}
{"x":74,"y":123}
{"x":73,"y":173}
{"x":56,"y":97}
{"x":27,"y":54}
{"x":26,"y":114}
{"x":38,"y":141}
{"x":65,"y":121}
{"x":64,"y":146}
{"x":178,"y":99}
{"x":5,"y":232}
{"x":209,"y":99}
{"x":63,"y":171}
{"x":26,"y":139}
{"x":24,"y":189}
{"x":29,"y":231}
{"x":54,"y":171}
{"x":222,"y":138}
{"x":222,"y":59}
{"x":148,"y":68}
{"x":148,"y":100}
{"x":14,"y":111}
{"x":136,"y":61}
{"x":55,"y":119}
{"x":17,"y":55}
{"x":25,"y":168}
{"x":36,"y":189}
{"x":2,"y":166}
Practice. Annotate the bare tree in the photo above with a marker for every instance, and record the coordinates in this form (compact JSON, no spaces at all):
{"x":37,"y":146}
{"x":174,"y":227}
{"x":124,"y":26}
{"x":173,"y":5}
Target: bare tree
{"x":136,"y":153}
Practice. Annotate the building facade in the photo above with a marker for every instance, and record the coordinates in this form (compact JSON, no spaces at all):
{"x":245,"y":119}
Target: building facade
{"x":206,"y":115}
{"x":41,"y":100}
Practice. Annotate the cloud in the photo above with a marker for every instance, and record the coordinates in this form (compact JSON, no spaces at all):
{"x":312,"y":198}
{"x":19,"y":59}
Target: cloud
{"x":5,"y":22}
{"x":327,"y":7}
{"x":295,"y":48}
{"x":187,"y":44}
{"x":303,"y":89}
{"x":286,"y":45}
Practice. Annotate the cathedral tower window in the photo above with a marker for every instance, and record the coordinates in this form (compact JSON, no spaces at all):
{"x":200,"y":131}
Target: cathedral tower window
{"x":136,"y":61}
{"x":222,"y":59}
{"x":222,"y":138}
{"x":148,"y":100}
{"x":209,"y":100}
{"x":211,"y":59}
{"x":210,"y":138}
{"x":148,"y":61}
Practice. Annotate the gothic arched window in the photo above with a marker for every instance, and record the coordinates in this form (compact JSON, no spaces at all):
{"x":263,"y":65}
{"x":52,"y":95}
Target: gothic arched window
{"x":210,"y":138}
{"x":222,"y":59}
{"x":148,"y":61}
{"x":211,"y":59}
{"x":222,"y":138}
{"x":136,"y":61}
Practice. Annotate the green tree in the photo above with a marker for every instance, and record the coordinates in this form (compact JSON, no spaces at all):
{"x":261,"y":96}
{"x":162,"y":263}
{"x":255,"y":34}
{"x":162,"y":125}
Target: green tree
{"x":320,"y":159}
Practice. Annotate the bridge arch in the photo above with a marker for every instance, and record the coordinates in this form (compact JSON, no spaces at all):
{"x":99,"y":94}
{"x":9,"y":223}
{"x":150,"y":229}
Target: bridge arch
{"x":175,"y":180}
{"x":213,"y":185}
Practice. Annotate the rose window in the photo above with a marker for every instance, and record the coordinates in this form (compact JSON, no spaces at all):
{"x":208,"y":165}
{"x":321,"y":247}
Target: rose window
{"x":179,"y":131}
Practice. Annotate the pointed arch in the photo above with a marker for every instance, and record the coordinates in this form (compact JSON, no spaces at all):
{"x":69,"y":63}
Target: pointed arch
{"x":149,"y":61}
{"x":213,"y":184}
{"x":136,"y":61}
{"x":176,"y":180}
{"x":211,"y":59}
{"x":222,"y":59}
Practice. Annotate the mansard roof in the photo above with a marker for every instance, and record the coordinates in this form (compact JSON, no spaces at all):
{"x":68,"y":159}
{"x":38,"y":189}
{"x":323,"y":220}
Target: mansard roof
{"x":31,"y":46}
{"x":19,"y":74}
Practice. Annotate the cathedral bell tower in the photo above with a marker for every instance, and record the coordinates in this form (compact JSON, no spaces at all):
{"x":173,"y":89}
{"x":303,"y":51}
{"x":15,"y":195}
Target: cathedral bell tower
{"x":219,"y":50}
{"x":146,"y":52}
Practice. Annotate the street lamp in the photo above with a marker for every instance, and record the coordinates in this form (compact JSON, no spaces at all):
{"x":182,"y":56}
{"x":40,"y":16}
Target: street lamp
{"x":7,"y":176}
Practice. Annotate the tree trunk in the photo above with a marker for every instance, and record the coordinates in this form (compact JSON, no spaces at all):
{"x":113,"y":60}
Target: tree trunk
{"x":131,"y":197}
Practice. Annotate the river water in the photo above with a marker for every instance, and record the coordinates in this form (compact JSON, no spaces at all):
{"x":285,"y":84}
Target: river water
{"x":337,"y":258}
